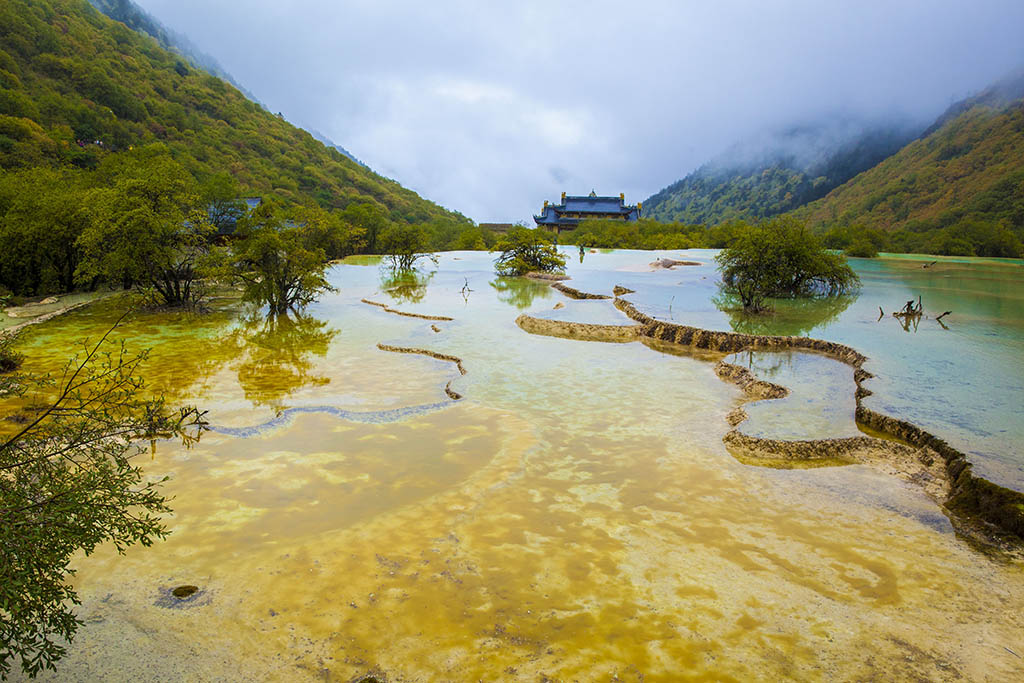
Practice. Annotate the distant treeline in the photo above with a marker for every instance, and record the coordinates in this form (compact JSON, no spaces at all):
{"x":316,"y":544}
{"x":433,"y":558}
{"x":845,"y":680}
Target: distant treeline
{"x":71,"y":228}
{"x":650,"y":234}
{"x":966,"y":237}
{"x":646,"y":234}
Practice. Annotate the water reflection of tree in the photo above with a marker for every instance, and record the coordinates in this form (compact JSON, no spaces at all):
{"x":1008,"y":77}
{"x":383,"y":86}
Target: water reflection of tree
{"x":789,"y":317}
{"x":764,"y":364}
{"x":279,"y":355}
{"x":520,"y":291}
{"x":405,"y":286}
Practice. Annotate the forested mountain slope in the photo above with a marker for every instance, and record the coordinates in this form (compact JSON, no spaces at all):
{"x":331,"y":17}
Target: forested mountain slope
{"x":76,"y":86}
{"x":957,"y":190}
{"x":764,"y":178}
{"x":138,"y":19}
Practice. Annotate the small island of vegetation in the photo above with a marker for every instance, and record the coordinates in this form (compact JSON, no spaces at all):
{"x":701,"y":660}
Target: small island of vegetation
{"x":780,"y":258}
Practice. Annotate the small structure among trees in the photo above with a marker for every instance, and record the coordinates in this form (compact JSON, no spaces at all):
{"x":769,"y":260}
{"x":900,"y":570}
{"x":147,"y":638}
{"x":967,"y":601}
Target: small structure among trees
{"x":567,"y":214}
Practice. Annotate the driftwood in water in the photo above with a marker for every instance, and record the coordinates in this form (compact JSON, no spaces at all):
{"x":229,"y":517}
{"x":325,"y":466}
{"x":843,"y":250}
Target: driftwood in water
{"x":910,"y":315}
{"x":943,"y":316}
{"x":929,"y":265}
{"x":910,"y":310}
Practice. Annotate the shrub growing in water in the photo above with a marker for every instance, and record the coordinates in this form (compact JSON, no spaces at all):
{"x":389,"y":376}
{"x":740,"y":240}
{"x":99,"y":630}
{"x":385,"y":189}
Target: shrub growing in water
{"x":781,"y":258}
{"x":524,"y":250}
{"x":404,"y":245}
{"x":274,"y":263}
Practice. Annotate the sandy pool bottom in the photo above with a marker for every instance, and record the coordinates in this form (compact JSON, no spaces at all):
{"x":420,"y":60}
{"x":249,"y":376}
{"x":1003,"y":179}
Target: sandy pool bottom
{"x":478,"y":544}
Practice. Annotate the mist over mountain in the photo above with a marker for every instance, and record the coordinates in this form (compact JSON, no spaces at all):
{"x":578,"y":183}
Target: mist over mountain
{"x":138,"y":19}
{"x":331,"y":143}
{"x":780,"y":170}
{"x":482,"y":106}
{"x":957,"y":189}
{"x":999,"y":95}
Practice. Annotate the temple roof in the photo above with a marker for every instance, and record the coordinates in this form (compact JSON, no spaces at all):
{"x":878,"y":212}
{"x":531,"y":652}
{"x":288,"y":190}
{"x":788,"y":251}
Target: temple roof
{"x":594,"y":203}
{"x":579,"y":206}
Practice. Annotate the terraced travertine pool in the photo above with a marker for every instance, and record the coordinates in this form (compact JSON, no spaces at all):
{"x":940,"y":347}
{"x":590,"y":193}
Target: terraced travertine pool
{"x":575,"y":514}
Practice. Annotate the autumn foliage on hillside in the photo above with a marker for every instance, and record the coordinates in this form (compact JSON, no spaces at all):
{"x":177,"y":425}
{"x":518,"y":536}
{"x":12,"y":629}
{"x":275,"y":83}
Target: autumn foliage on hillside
{"x":960,"y":191}
{"x":76,"y":86}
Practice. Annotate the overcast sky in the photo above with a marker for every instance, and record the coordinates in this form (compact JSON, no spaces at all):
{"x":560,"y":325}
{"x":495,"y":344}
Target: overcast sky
{"x":490,"y":108}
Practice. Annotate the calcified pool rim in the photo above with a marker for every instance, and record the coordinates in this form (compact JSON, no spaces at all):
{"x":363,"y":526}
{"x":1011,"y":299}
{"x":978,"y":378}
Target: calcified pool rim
{"x":979,"y":508}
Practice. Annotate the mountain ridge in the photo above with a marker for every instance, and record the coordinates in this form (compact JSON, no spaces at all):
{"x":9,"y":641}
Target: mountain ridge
{"x":138,"y":19}
{"x":75,"y":85}
{"x":958,"y":190}
{"x":769,"y":177}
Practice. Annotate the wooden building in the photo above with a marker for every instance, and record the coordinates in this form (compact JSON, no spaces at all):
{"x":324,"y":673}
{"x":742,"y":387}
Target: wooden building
{"x":567,"y":214}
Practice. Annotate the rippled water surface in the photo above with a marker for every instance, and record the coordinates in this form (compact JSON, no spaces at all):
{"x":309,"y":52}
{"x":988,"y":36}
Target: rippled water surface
{"x":576,"y":514}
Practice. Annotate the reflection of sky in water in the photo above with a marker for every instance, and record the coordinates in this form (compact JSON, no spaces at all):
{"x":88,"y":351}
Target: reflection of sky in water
{"x":590,"y":311}
{"x":820,"y":404}
{"x":575,"y":516}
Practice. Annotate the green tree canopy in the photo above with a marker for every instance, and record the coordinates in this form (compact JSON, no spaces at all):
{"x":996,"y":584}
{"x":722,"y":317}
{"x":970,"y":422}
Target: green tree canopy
{"x":43,"y":212}
{"x":154,"y":231}
{"x":524,"y":250}
{"x":275,"y":263}
{"x":781,"y":258}
{"x":329,"y":232}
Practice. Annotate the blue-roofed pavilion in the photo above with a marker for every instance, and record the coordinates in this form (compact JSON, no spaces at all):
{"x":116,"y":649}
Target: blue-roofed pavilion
{"x":567,"y":214}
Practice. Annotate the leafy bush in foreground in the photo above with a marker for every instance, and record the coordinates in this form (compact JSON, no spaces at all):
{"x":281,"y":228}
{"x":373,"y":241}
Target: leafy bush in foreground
{"x":70,"y":485}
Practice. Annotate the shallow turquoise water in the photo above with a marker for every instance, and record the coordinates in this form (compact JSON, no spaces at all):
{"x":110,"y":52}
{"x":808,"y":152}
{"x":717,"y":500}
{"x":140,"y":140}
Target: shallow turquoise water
{"x":574,"y":516}
{"x":963,"y":381}
{"x":820,"y":409}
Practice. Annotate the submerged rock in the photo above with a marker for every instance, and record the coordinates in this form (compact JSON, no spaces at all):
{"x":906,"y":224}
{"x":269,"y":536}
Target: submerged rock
{"x":574,"y":293}
{"x":670,"y":263}
{"x":538,"y":275}
{"x":752,"y":386}
{"x":582,"y":331}
{"x":183,"y":592}
{"x":183,"y":597}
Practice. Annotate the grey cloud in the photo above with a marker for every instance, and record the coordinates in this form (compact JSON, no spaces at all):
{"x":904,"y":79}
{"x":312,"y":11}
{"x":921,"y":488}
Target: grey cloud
{"x":491,"y":108}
